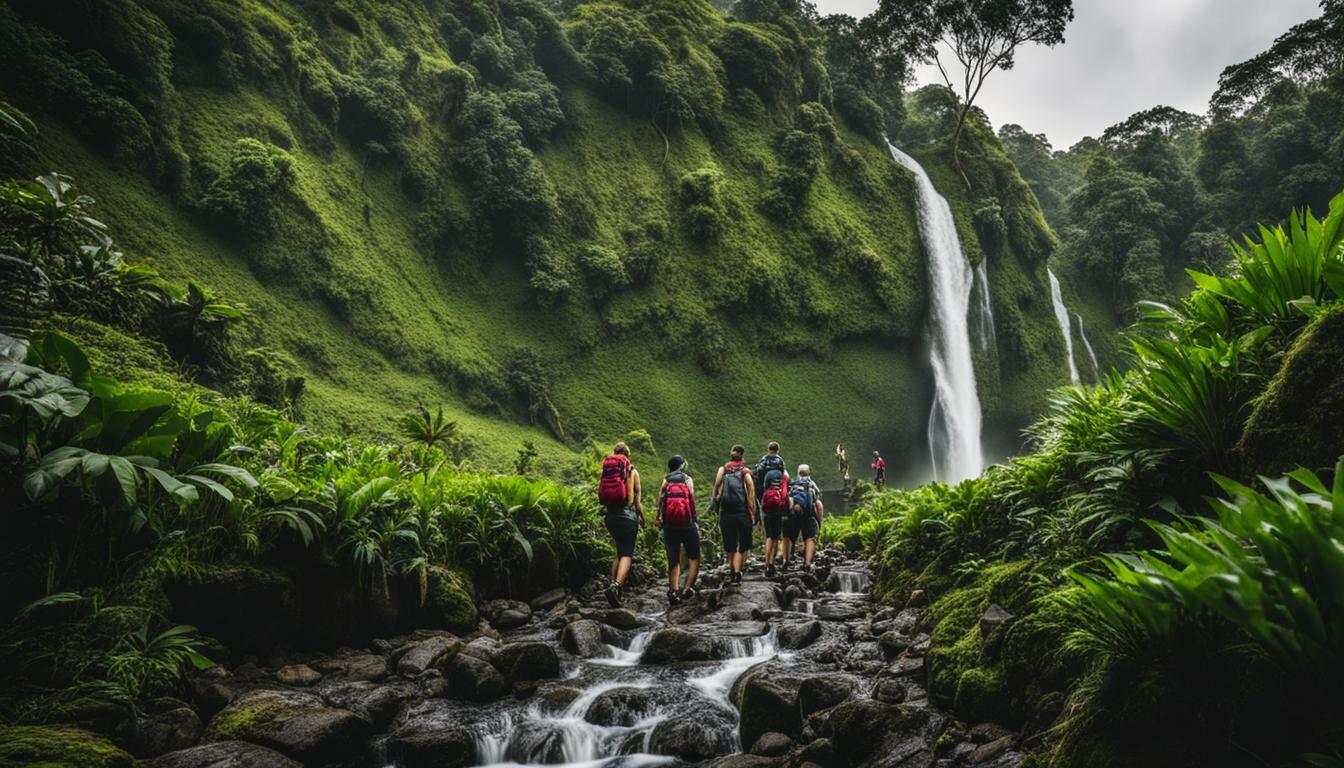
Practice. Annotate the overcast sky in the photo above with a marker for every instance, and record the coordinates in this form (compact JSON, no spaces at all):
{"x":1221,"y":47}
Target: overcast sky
{"x":1123,"y":56}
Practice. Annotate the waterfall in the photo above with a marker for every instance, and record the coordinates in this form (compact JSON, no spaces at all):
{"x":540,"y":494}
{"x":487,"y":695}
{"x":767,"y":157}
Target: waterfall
{"x":1062,"y":315}
{"x":1087,"y":345}
{"x":984,"y":310}
{"x":954,"y":420}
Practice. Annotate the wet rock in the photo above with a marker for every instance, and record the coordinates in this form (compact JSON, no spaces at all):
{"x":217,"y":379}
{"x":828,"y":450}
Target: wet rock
{"x":742,"y":760}
{"x":864,"y":656}
{"x":986,"y":732}
{"x":863,"y":729}
{"x":619,"y":707}
{"x":908,"y":666}
{"x":583,"y":638}
{"x":533,"y":660}
{"x":425,"y":654}
{"x":494,"y":608}
{"x":821,"y":692}
{"x":620,"y":618}
{"x":918,"y":599}
{"x":673,"y":644}
{"x":298,"y":675}
{"x":432,"y":683}
{"x":772,"y":745}
{"x":353,"y":668}
{"x":299,"y":724}
{"x":548,"y":600}
{"x":920,"y":644}
{"x":474,"y":679}
{"x":512,"y":619}
{"x":692,"y":611}
{"x":906,"y":622}
{"x":889,"y":690}
{"x":798,"y":634}
{"x":381,"y":646}
{"x":994,"y":617}
{"x":791,"y":593}
{"x":991,"y":750}
{"x":376,"y":703}
{"x":839,"y":610}
{"x":210,"y":696}
{"x":687,"y":738}
{"x":556,"y":700}
{"x":483,"y":648}
{"x":437,"y":748}
{"x":768,"y":702}
{"x":223,"y":754}
{"x":893,"y":643}
{"x":175,"y":729}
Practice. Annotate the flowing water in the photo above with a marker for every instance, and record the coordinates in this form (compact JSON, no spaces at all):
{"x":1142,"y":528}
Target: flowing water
{"x":1062,"y":316}
{"x":1087,"y":345}
{"x":984,"y":309}
{"x":954,"y":420}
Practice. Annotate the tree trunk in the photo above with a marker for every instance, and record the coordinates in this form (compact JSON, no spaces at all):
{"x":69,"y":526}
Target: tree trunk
{"x":956,"y":145}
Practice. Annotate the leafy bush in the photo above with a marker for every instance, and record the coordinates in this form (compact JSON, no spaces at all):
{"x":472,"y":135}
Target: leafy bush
{"x":510,"y":185}
{"x":604,"y":269}
{"x":247,"y":189}
{"x":702,"y":193}
{"x":373,"y":103}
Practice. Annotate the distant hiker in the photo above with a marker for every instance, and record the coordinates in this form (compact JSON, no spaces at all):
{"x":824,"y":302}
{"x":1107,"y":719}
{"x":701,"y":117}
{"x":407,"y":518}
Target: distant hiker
{"x":879,"y":470}
{"x":841,"y":461}
{"x":735,"y":501}
{"x":772,"y":491}
{"x":676,"y":516}
{"x":619,"y":494}
{"x":804,"y":519}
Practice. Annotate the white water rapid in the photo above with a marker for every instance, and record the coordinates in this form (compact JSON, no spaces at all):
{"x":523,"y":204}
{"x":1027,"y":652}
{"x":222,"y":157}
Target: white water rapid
{"x":1087,"y":345}
{"x":954,"y":420}
{"x":1062,"y":316}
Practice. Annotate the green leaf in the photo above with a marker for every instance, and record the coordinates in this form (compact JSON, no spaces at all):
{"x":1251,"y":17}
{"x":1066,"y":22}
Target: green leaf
{"x":183,"y":492}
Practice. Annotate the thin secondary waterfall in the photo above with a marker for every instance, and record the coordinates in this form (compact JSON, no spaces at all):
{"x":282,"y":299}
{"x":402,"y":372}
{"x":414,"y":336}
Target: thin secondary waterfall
{"x":954,"y":420}
{"x":1062,"y":315}
{"x":1087,"y":345}
{"x":984,"y":310}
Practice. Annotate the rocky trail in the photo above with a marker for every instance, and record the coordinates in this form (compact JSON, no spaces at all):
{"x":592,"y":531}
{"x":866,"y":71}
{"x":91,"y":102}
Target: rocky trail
{"x":796,"y":670}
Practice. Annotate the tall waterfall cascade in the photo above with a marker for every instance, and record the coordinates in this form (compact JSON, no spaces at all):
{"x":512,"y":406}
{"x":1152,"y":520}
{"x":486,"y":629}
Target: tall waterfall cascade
{"x":954,"y":420}
{"x":1087,"y":345}
{"x":984,"y":310}
{"x":1062,"y":315}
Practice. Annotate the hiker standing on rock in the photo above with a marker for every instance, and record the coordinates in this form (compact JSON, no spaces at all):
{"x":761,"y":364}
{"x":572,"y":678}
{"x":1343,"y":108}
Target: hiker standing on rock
{"x":735,"y":501}
{"x":676,"y":516}
{"x":841,"y":462}
{"x":805,"y":515}
{"x":619,"y":494}
{"x":772,"y":494}
{"x":879,"y":470}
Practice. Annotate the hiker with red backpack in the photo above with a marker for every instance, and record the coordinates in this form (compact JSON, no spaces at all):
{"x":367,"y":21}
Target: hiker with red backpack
{"x":804,"y":518}
{"x":772,"y":488}
{"x":735,"y":501}
{"x":618,"y":492}
{"x":676,"y":516}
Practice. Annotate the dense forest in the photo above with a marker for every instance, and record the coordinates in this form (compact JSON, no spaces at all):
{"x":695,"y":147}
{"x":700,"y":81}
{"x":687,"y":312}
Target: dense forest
{"x":317,"y":320}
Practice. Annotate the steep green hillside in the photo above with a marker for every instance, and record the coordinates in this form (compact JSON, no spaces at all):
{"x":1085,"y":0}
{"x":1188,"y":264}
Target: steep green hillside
{"x":640,"y":215}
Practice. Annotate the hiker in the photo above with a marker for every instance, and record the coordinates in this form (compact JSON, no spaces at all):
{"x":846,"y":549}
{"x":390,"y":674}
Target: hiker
{"x":676,"y":516}
{"x":879,"y":470}
{"x":619,"y":494}
{"x":841,"y":461}
{"x":772,"y":492}
{"x":735,"y":501}
{"x":805,"y":515}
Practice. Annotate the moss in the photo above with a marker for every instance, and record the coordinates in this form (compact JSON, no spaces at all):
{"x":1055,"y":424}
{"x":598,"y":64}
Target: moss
{"x":55,"y":745}
{"x":239,"y":723}
{"x":1296,"y":421}
{"x":982,"y":695}
{"x":448,"y":603}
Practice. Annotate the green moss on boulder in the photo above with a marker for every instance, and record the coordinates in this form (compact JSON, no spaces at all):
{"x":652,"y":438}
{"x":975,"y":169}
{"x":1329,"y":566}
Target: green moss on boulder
{"x":55,"y":746}
{"x":448,"y":602}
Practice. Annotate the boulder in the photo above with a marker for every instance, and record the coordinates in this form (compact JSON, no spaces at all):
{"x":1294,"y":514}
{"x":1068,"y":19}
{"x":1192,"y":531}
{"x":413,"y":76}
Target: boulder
{"x":53,"y":746}
{"x":426,"y":654}
{"x":474,"y":679}
{"x":299,"y":724}
{"x":620,"y":618}
{"x":298,"y":675}
{"x":557,"y":700}
{"x":893,"y":643}
{"x":495,"y":608}
{"x":548,"y":600}
{"x":511,"y":619}
{"x":772,"y":744}
{"x":375,"y":702}
{"x":168,"y":731}
{"x":353,"y":668}
{"x":890,"y":690}
{"x":908,"y":666}
{"x":839,"y":609}
{"x":483,"y":648}
{"x":991,"y":750}
{"x":742,"y":760}
{"x":863,"y":728}
{"x":993,"y":618}
{"x":674,"y":644}
{"x":223,"y":754}
{"x":622,"y":707}
{"x":798,"y":635}
{"x":822,"y":692}
{"x":583,"y":638}
{"x":906,"y":622}
{"x":686,"y":737}
{"x":769,"y":702}
{"x":210,"y":696}
{"x":532,"y":660}
{"x":434,"y":748}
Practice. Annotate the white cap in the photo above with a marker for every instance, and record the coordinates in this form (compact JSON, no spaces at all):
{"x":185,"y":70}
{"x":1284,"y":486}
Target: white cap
{"x":804,"y":470}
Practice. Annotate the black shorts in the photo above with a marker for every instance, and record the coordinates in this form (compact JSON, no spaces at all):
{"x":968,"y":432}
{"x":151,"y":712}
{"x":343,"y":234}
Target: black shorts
{"x":624,"y":529}
{"x":674,"y":538}
{"x":805,"y":524}
{"x":736,"y":530}
{"x":773,"y":525}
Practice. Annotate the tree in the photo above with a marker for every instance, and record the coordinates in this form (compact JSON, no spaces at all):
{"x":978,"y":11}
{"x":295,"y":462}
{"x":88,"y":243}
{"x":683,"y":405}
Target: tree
{"x":429,"y":429}
{"x":983,"y":35}
{"x":1308,"y":52}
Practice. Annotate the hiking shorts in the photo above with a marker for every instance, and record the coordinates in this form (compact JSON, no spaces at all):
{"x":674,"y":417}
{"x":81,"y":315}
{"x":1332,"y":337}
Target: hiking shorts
{"x":674,"y":538}
{"x":774,"y":524}
{"x":805,"y":525}
{"x":736,"y":530}
{"x":624,"y":529}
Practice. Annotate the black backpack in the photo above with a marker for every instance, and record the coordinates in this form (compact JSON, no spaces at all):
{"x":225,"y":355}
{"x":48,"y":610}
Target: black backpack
{"x":769,"y":462}
{"x":733,"y":499}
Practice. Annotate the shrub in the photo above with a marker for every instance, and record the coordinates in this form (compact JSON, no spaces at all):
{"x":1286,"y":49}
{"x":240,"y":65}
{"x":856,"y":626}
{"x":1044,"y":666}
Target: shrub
{"x":702,"y":193}
{"x":373,"y":104}
{"x":604,"y":269}
{"x":245,"y":193}
{"x":509,"y":183}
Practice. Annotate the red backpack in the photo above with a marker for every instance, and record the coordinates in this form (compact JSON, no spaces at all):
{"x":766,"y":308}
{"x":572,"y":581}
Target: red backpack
{"x":613,"y":488}
{"x":775,"y":500}
{"x":678,"y":503}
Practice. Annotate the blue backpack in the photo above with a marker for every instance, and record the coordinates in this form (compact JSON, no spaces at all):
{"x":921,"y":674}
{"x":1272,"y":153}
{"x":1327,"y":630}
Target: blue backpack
{"x":802,"y":492}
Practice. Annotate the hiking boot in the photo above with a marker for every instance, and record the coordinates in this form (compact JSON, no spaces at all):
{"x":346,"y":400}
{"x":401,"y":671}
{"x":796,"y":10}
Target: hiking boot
{"x":672,"y":597}
{"x":613,"y":593}
{"x":770,"y":571}
{"x":807,"y":568}
{"x":737,"y":578}
{"x":689,"y":593}
{"x":786,"y":564}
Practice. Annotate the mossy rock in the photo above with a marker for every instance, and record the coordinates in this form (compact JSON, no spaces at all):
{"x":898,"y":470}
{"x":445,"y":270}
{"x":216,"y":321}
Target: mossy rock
{"x":982,"y":695}
{"x":52,"y":746}
{"x":448,"y":602}
{"x":1299,"y":420}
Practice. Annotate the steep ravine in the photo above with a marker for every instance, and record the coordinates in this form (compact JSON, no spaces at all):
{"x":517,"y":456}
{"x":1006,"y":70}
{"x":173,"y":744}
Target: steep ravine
{"x":801,"y":669}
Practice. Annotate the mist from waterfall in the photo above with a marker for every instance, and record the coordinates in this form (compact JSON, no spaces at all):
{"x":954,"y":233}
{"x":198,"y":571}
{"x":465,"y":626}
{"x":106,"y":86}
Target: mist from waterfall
{"x":954,"y":419}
